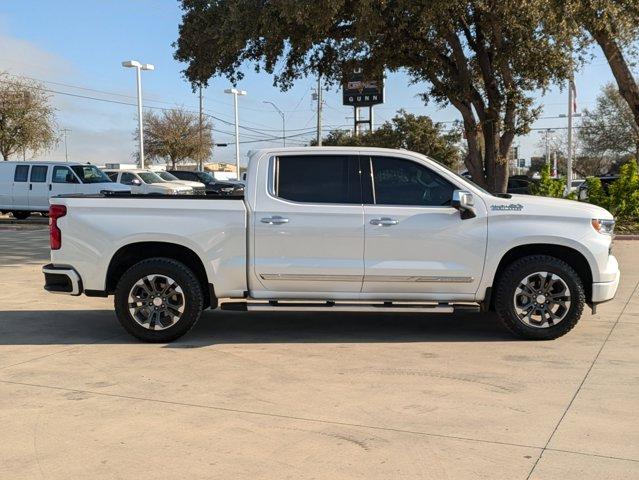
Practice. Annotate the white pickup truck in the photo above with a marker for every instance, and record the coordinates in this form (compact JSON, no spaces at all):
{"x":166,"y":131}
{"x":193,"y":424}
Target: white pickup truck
{"x":335,"y":229}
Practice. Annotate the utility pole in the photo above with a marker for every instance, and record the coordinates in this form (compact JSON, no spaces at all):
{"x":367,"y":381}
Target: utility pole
{"x":571,"y":105}
{"x":319,"y":110}
{"x":235,"y":92}
{"x":66,"y":150}
{"x":547,"y":132}
{"x":201,"y":150}
{"x":138,"y":67}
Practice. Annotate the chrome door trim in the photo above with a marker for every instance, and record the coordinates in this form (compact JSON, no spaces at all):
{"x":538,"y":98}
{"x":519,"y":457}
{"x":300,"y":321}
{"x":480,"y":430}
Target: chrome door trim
{"x":311,"y":277}
{"x":417,"y":279}
{"x":366,"y":278}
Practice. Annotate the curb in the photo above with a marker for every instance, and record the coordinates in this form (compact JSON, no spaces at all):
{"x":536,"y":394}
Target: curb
{"x":626,"y":237}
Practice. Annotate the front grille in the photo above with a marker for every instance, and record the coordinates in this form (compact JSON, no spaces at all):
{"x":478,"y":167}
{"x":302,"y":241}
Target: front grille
{"x":199,"y":191}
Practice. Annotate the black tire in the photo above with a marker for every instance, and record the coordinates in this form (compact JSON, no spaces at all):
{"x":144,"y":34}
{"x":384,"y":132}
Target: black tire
{"x":191,"y":295}
{"x":515,"y":273}
{"x":21,"y":214}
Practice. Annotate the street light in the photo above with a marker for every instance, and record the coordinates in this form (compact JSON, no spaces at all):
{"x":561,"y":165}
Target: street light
{"x":235,"y":92}
{"x":138,"y":67}
{"x":283,"y":120}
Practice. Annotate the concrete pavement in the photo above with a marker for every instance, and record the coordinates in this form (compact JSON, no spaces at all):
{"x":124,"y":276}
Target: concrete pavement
{"x":305,"y":396}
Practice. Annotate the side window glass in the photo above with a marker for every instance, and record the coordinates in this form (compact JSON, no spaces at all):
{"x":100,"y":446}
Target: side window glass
{"x":39,"y":173}
{"x":318,"y":179}
{"x":21,"y":174}
{"x":127,"y":178}
{"x":113,"y":176}
{"x":397,"y":181}
{"x":62,"y":175}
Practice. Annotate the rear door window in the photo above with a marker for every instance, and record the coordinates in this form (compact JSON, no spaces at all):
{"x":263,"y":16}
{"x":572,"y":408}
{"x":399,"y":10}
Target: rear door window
{"x":127,"y":178}
{"x":21,"y":174}
{"x":39,"y":173}
{"x":318,"y":179}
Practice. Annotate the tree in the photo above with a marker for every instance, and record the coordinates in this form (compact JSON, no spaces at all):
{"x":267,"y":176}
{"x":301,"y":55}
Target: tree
{"x":27,"y":120}
{"x":484,"y":57}
{"x":613,"y":25}
{"x":174,"y":136}
{"x":609,"y":129}
{"x":417,"y":133}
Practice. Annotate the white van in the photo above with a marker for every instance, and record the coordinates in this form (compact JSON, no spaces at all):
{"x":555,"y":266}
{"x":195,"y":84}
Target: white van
{"x":26,"y":187}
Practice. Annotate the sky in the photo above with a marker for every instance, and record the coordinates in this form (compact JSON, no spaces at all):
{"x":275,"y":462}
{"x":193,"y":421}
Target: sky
{"x":75,"y":48}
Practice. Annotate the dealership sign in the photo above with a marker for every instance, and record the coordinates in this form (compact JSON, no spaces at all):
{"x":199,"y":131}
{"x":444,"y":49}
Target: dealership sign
{"x":360,"y":92}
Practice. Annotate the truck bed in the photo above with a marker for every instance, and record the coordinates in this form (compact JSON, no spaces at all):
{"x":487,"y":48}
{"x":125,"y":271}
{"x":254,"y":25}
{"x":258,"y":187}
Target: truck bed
{"x":96,"y":227}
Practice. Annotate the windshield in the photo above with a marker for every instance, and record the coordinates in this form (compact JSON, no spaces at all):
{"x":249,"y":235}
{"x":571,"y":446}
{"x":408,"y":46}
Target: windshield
{"x":90,"y":174}
{"x":205,"y":177}
{"x":167,"y":176}
{"x":150,"y":177}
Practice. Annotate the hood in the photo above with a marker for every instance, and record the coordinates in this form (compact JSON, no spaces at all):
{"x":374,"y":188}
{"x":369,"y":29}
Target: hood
{"x":554,"y":207}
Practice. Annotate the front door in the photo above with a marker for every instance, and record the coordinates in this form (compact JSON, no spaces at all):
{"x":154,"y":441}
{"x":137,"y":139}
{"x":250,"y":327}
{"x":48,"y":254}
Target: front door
{"x":20,"y":191}
{"x":39,"y":188}
{"x":63,"y":181}
{"x":308,"y":227}
{"x":416,"y":243}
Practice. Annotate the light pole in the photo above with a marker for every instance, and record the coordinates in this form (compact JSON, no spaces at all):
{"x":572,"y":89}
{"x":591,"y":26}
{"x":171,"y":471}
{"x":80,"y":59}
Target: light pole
{"x":235,"y":92}
{"x":138,"y":67}
{"x":66,"y":150}
{"x":283,"y":120}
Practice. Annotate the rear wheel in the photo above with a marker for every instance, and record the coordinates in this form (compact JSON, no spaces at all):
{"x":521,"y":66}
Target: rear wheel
{"x":539,"y":297}
{"x":158,"y":300}
{"x":21,"y":214}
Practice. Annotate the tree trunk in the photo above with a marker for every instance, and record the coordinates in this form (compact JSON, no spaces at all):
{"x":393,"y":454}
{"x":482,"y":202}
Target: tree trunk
{"x":626,"y":83}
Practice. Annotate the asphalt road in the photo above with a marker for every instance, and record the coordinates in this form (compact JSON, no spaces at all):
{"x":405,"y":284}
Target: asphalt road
{"x":310,"y":396}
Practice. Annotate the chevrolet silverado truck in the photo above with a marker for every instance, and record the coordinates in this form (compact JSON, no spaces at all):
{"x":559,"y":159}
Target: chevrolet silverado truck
{"x":335,"y":230}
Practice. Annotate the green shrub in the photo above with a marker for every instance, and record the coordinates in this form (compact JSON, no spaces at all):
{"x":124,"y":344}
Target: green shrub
{"x":623,"y":194}
{"x":596,"y":194}
{"x":548,"y":186}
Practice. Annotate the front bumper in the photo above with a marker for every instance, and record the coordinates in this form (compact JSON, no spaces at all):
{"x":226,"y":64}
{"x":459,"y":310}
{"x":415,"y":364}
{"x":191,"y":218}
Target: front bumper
{"x":604,"y":291}
{"x":62,"y":280}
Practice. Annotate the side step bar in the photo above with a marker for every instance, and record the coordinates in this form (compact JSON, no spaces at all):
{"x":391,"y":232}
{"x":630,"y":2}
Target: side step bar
{"x":272,"y":306}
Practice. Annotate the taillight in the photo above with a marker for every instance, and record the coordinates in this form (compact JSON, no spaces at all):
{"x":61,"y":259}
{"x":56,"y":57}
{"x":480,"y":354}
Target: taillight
{"x":55,"y":235}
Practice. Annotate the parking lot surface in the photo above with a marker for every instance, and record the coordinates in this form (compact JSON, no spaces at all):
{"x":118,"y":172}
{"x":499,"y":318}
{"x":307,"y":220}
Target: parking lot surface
{"x":310,"y":396}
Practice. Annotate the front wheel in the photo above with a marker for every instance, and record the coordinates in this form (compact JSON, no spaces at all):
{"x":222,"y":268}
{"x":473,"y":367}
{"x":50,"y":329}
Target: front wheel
{"x":539,"y":297}
{"x":158,"y":300}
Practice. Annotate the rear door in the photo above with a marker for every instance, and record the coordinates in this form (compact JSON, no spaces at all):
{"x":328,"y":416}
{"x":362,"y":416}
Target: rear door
{"x":39,"y":188}
{"x":63,"y":181}
{"x":308,"y":226}
{"x":20,"y":190}
{"x":416,"y":242}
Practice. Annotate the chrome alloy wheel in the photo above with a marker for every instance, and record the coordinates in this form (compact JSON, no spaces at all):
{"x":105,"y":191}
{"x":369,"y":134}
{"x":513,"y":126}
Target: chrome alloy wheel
{"x":156,"y":302}
{"x":542,"y":300}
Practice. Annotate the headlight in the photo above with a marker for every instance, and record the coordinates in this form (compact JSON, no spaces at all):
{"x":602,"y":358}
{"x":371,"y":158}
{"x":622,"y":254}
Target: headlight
{"x":605,"y":227}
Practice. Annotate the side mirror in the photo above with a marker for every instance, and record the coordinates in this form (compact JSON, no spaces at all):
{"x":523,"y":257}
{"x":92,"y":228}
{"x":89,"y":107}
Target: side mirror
{"x":465,"y":203}
{"x":136,"y":182}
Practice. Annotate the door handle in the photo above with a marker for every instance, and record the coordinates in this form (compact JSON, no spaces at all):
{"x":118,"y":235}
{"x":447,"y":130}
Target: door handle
{"x":30,"y":186}
{"x":384,"y":222}
{"x":49,"y":187}
{"x":274,"y":220}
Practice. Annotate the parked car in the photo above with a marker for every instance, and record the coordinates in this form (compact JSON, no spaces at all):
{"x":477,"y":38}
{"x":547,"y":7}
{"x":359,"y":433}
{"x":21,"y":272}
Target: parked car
{"x":146,"y":182}
{"x":606,"y":181}
{"x":213,"y":186}
{"x":25,"y":187}
{"x":336,"y":229}
{"x":198,"y":187}
{"x":519,"y":184}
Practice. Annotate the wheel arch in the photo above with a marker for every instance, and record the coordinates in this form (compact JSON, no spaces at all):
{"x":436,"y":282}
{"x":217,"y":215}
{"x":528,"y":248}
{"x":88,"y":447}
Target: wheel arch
{"x":571,"y":256}
{"x":130,"y":254}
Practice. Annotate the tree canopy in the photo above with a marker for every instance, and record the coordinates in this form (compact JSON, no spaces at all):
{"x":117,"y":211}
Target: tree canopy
{"x":484,"y":57}
{"x":174,"y":136}
{"x":27,"y":120}
{"x":417,"y":133}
